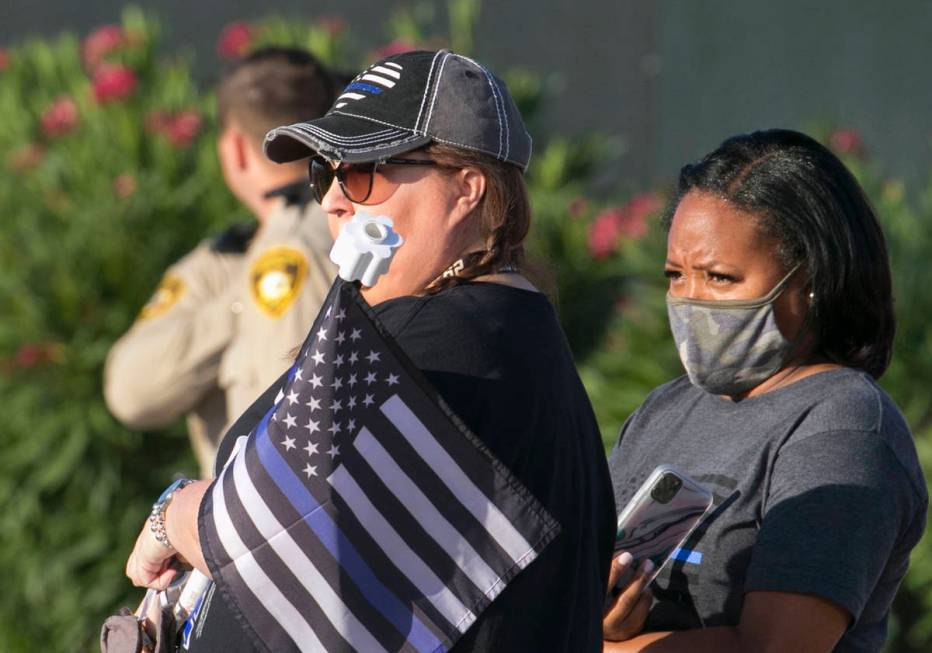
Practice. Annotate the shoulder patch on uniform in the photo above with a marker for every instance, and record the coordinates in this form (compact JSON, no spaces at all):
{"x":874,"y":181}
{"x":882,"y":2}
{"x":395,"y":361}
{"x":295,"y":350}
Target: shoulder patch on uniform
{"x":169,"y":291}
{"x":276,"y":278}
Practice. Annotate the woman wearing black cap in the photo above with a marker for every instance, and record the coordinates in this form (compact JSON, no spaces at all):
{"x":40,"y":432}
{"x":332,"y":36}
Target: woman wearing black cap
{"x":781,"y":308}
{"x":434,"y":142}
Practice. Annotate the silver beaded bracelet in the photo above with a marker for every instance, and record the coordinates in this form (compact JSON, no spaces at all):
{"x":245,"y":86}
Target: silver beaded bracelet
{"x":157,"y":516}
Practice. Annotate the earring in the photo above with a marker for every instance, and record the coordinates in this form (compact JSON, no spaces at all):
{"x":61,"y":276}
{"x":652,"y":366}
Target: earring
{"x":811,"y":297}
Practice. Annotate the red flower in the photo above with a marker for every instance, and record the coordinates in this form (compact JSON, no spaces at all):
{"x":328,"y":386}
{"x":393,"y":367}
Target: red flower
{"x":60,"y":118}
{"x":334,"y":24}
{"x":4,"y":59}
{"x":604,"y":233}
{"x":847,"y":142}
{"x":619,"y":222}
{"x":235,"y":40}
{"x":393,"y":48}
{"x":183,"y":128}
{"x":179,"y":128}
{"x":633,"y":224}
{"x":124,"y":185}
{"x":113,"y":82}
{"x":100,"y":43}
{"x":27,"y":157}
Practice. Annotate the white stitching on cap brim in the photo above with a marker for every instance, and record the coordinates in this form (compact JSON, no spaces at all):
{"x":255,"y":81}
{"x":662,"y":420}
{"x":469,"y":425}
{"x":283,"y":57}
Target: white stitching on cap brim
{"x":385,"y":146}
{"x":365,"y":139}
{"x":316,"y":142}
{"x":350,"y":140}
{"x":380,"y":133}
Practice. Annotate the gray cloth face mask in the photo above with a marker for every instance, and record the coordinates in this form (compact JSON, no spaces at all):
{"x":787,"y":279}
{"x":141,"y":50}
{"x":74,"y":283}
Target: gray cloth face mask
{"x":729,"y":346}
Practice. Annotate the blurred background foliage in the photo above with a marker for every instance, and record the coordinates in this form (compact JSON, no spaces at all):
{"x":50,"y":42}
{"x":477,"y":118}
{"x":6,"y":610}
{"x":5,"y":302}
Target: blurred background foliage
{"x":109,"y":174}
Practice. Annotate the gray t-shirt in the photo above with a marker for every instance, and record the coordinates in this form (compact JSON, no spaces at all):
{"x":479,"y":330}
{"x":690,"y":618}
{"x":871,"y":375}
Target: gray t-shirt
{"x":818,"y":490}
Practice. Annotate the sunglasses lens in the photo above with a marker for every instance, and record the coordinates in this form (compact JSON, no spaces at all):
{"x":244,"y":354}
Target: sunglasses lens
{"x":321,"y":176}
{"x":356,"y":179}
{"x":361,"y":183}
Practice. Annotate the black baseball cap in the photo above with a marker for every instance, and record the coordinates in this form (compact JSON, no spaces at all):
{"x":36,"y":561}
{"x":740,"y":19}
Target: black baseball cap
{"x":406,"y":101}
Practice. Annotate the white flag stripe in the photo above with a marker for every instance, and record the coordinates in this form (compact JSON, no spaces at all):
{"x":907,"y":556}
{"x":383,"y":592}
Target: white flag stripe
{"x":394,"y":65}
{"x":484,"y":510}
{"x":230,"y":539}
{"x":352,"y":96}
{"x":386,"y":71}
{"x":340,"y":105}
{"x":263,"y":589}
{"x":401,"y":555}
{"x":380,"y":80}
{"x":239,"y":444}
{"x":430,"y":519}
{"x":342,"y":618}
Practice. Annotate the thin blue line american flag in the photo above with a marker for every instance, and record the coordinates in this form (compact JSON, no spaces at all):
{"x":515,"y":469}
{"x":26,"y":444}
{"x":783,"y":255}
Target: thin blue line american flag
{"x":360,"y":514}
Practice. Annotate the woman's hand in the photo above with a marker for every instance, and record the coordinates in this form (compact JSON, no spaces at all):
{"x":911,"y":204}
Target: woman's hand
{"x":149,"y":564}
{"x":627,"y":612}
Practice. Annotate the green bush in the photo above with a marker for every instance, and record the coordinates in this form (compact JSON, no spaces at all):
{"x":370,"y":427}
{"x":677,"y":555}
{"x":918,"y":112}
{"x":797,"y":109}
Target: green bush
{"x":109,"y":173}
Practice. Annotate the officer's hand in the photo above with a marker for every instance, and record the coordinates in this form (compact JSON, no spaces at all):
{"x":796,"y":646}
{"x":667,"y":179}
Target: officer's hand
{"x":626,"y":613}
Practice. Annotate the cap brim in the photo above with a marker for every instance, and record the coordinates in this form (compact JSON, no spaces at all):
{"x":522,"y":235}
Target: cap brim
{"x":342,"y":137}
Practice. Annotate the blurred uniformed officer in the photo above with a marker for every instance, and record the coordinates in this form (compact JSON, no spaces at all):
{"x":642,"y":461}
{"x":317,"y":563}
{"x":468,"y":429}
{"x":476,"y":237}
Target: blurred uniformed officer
{"x":219,"y":328}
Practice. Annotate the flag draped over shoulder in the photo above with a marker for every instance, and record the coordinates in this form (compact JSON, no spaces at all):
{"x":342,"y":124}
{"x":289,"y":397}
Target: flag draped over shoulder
{"x":360,"y":514}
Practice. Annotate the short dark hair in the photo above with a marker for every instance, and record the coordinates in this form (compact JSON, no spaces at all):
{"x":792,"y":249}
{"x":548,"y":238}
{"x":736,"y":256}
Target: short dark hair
{"x":813,"y":208}
{"x":274,"y":86}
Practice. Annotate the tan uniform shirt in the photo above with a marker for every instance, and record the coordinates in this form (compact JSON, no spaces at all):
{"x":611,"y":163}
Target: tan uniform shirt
{"x":219,"y":329}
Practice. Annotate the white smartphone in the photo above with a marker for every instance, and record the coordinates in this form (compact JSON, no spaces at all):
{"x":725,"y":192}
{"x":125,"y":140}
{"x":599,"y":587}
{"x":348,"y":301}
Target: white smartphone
{"x":660,"y":516}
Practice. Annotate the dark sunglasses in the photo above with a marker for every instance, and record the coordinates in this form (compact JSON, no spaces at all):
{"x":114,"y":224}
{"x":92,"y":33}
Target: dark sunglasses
{"x":361,"y":183}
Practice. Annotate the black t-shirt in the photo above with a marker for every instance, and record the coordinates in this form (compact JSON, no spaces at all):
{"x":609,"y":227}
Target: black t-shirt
{"x":818,"y":490}
{"x":498,"y":357}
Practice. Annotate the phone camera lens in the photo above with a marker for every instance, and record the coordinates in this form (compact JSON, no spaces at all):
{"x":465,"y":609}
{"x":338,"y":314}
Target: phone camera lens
{"x":666,"y":488}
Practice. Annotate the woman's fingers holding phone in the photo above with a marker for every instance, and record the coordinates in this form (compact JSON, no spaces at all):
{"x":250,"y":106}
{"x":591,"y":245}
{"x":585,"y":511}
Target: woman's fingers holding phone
{"x":621,"y":566}
{"x":626,"y":615}
{"x":642,"y":576}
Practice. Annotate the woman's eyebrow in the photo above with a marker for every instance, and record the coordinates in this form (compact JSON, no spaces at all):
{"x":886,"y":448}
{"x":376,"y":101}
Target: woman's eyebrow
{"x":701,"y":264}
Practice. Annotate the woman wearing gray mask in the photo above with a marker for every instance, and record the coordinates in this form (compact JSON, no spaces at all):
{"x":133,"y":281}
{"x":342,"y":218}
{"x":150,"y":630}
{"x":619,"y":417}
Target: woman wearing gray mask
{"x":781,"y":309}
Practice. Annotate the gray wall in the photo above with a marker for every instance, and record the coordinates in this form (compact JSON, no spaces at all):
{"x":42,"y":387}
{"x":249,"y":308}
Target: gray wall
{"x":667,"y":80}
{"x":738,"y":66}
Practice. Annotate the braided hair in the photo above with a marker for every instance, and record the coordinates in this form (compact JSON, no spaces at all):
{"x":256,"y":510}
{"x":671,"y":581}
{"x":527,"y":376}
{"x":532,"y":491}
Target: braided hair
{"x":503,"y":214}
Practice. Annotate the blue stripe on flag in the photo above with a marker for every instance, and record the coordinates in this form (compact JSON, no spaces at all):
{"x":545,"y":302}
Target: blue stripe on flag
{"x":687,"y":556}
{"x":361,"y":86}
{"x":341,"y":548}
